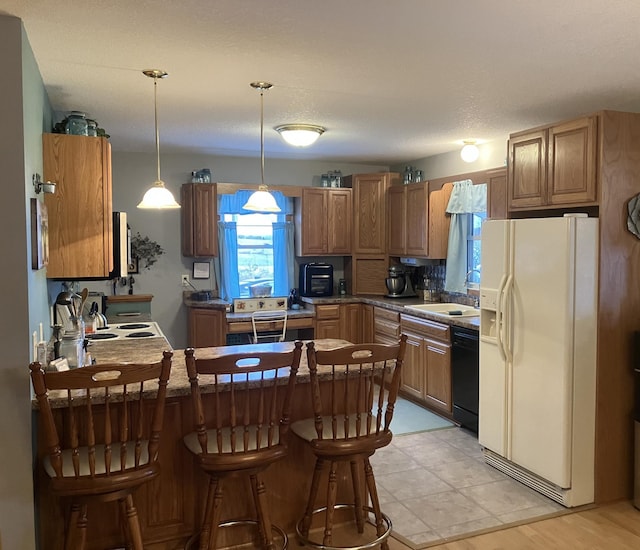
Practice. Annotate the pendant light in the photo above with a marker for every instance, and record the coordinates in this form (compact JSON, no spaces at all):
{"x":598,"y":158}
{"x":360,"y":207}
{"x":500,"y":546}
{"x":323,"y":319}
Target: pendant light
{"x":157,"y":197}
{"x":300,"y":135}
{"x":261,"y":200}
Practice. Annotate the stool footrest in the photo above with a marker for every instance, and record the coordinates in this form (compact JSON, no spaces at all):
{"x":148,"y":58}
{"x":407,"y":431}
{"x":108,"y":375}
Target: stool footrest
{"x":192,"y":543}
{"x":381,"y":538}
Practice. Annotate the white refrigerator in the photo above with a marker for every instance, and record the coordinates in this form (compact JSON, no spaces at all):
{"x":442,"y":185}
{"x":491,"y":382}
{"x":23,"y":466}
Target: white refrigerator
{"x":538,"y":301}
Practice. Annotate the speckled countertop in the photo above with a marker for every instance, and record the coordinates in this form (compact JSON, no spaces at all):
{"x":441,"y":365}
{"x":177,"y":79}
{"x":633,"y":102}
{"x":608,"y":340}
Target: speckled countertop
{"x":149,"y":350}
{"x":394,"y":304}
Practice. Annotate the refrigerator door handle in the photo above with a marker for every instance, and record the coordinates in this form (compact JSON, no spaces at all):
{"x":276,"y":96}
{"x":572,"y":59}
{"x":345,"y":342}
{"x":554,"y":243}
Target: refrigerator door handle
{"x":508,"y":290}
{"x":499,"y":319}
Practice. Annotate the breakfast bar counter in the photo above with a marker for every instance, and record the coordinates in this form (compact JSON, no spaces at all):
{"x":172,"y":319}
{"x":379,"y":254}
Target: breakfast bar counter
{"x":169,"y":506}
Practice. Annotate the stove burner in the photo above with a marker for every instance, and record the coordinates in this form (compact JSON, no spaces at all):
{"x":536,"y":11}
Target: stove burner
{"x":101,"y":336}
{"x":133,"y":326}
{"x":144,"y":334}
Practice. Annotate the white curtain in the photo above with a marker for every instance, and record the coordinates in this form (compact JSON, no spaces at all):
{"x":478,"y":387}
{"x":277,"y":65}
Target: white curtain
{"x":465,"y":199}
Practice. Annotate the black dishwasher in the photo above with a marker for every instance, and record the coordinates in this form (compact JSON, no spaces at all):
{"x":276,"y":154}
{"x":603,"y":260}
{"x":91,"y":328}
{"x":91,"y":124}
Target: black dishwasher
{"x":465,"y":367}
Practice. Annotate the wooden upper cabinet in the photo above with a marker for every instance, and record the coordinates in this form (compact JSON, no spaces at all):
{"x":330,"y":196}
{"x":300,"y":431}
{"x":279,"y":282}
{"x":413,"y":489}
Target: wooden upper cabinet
{"x":572,"y":162}
{"x":439,"y":222}
{"x":369,"y":210}
{"x":199,"y":220}
{"x":396,"y":206}
{"x":554,"y":167}
{"x":417,"y":221}
{"x":528,"y":169}
{"x":497,"y":194}
{"x":80,"y":211}
{"x":323,"y":219}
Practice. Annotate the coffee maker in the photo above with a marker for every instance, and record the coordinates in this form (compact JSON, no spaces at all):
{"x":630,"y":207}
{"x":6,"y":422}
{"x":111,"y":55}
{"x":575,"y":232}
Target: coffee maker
{"x":399,"y":283}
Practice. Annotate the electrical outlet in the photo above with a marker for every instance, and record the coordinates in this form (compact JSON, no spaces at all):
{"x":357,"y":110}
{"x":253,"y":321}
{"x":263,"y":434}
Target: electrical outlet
{"x":185,"y":279}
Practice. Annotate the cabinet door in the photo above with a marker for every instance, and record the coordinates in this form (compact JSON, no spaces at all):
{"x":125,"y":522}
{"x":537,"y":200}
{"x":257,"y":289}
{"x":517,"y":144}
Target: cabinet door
{"x":527,"y":170}
{"x":413,"y":367}
{"x":207,"y":328}
{"x":439,"y":222}
{"x":438,"y":378}
{"x":369,"y":209}
{"x":350,"y":316}
{"x":396,"y":215}
{"x":572,"y":162}
{"x":314,"y":221}
{"x":497,"y":194}
{"x":416,"y":222}
{"x":199,"y":220}
{"x":367,"y":323}
{"x":339,"y":222}
{"x":80,"y":216}
{"x":329,"y":328}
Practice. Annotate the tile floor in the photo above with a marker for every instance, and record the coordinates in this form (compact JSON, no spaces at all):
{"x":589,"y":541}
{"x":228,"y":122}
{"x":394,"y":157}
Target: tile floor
{"x":435,"y":485}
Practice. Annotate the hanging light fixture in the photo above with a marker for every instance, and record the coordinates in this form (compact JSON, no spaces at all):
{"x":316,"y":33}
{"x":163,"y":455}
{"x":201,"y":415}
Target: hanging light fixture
{"x":158,"y":196}
{"x":300,"y":135}
{"x":470,"y":151}
{"x":262,"y":200}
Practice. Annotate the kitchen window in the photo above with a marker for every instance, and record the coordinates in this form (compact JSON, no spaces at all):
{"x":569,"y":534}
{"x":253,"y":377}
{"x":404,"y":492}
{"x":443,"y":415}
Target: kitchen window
{"x":467,"y":206}
{"x":255,"y":248}
{"x":474,"y":243}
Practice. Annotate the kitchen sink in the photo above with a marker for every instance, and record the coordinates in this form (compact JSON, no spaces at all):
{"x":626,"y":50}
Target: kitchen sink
{"x":447,"y":309}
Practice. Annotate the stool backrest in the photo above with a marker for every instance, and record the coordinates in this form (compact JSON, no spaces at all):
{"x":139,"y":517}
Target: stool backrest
{"x":109,"y":425}
{"x":359,"y":388}
{"x":253,"y":412}
{"x":269,"y":326}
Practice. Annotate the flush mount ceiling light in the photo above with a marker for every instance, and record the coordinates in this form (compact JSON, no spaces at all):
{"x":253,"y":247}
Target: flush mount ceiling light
{"x":158,"y":196}
{"x":300,"y":135}
{"x":261,"y":200}
{"x":470,"y":151}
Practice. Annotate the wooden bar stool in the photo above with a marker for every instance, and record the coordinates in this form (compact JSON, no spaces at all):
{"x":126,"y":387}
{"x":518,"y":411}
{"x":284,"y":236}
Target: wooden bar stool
{"x":241,"y":405}
{"x":105,"y":444}
{"x":354,"y":390}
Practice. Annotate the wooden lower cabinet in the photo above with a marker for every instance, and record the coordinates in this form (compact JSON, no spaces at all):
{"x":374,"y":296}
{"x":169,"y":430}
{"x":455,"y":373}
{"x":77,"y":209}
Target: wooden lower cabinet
{"x":386,"y":326}
{"x":340,"y":321}
{"x":367,"y":323}
{"x":426,"y":375}
{"x":350,"y":315}
{"x":207,"y":327}
{"x":437,"y":391}
{"x":413,"y":371}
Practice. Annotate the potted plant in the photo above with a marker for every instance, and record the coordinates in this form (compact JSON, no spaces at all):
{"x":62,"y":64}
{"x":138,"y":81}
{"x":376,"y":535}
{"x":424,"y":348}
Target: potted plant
{"x":144,"y":251}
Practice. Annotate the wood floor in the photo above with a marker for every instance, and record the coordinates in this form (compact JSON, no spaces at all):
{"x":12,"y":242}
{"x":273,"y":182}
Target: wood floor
{"x":612,"y":527}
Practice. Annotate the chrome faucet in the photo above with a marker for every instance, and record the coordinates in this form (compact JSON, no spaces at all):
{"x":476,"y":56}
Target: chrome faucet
{"x":466,"y":277}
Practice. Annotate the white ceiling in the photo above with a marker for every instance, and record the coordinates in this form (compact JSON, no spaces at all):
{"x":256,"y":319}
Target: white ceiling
{"x":392,"y":81}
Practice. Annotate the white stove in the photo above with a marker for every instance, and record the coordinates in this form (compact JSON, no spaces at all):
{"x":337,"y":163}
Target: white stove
{"x":130,"y":331}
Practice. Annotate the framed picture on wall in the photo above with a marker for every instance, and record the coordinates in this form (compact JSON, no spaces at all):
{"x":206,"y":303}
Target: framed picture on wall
{"x":201,"y":270}
{"x":39,"y":235}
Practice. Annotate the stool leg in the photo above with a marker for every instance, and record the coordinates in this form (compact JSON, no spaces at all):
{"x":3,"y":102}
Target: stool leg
{"x":135,"y":535}
{"x":357,"y":494}
{"x":216,"y":512}
{"x":375,"y":503}
{"x":332,"y":491}
{"x":205,"y":529}
{"x":262,"y":508}
{"x":313,"y":493}
{"x":77,"y":528}
{"x":123,"y":520}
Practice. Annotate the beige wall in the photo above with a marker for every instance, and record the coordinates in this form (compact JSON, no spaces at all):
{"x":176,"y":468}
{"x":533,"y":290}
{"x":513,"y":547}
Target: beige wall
{"x":492,"y":155}
{"x":24,"y":111}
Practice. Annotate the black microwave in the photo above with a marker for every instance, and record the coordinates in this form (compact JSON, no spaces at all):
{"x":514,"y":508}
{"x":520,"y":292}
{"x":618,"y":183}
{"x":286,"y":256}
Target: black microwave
{"x":316,"y":279}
